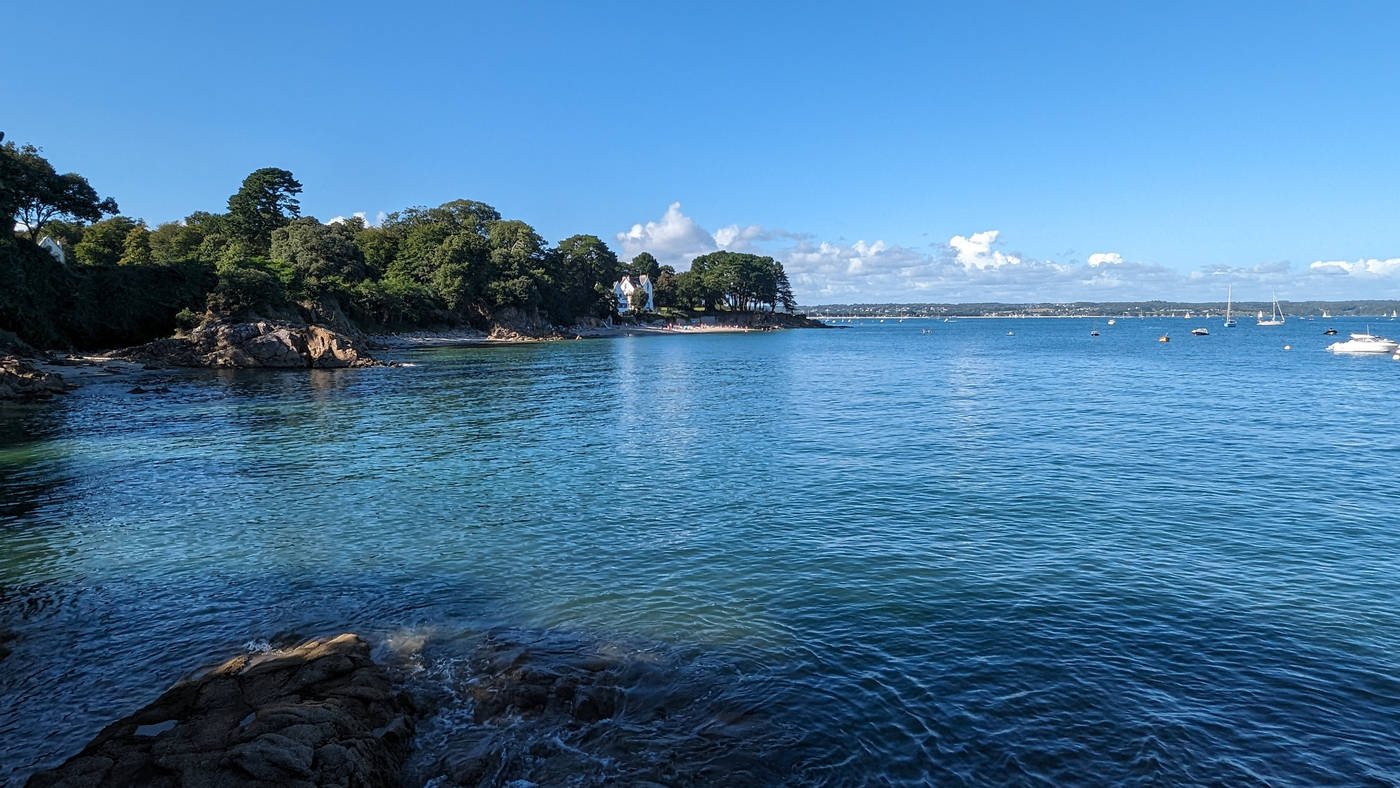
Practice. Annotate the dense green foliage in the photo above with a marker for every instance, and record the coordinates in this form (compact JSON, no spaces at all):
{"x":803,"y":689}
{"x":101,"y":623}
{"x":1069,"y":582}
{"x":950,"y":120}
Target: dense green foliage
{"x":460,"y":263}
{"x":735,"y":280}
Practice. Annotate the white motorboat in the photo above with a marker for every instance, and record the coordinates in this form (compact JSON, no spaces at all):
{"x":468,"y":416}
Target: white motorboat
{"x":1365,"y":343}
{"x":1200,"y":332}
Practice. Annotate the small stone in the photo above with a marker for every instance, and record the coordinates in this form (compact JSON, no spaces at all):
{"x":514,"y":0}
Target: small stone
{"x":155,"y":728}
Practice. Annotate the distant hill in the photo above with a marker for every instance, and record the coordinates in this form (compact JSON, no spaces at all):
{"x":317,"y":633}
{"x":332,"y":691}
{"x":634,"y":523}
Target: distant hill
{"x":1356,"y":308}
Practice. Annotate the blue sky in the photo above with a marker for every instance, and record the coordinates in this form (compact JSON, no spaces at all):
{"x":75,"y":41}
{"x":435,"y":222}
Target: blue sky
{"x":883,"y":151}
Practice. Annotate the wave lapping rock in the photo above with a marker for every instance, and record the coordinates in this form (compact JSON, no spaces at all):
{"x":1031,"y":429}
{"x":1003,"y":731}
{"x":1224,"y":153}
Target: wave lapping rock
{"x":320,"y":714}
{"x":20,"y":380}
{"x":260,"y":343}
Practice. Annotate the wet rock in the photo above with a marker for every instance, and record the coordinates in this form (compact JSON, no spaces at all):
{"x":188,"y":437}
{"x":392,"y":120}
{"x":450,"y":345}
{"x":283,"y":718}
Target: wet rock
{"x":259,"y":343}
{"x":282,"y":718}
{"x":21,"y":381}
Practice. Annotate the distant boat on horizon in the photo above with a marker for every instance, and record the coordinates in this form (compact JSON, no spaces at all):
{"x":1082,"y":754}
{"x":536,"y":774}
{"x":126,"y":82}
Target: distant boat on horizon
{"x":1229,"y":296}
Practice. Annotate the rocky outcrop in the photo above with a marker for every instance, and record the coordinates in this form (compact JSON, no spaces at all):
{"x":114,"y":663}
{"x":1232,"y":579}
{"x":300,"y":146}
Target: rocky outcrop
{"x":259,"y":343}
{"x":320,"y":714}
{"x":21,"y":381}
{"x":509,"y":323}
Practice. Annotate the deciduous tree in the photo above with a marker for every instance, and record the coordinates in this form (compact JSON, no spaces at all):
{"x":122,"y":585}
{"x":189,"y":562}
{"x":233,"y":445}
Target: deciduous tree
{"x":33,"y":194}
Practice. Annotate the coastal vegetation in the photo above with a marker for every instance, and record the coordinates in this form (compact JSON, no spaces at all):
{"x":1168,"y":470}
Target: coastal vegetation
{"x":459,"y":264}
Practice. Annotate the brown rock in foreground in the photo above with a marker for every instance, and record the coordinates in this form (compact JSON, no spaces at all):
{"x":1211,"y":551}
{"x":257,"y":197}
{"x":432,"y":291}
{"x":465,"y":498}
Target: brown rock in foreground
{"x":19,"y":380}
{"x":259,"y":343}
{"x":320,"y":714}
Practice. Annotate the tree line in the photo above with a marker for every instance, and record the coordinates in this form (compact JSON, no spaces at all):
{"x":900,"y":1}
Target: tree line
{"x":460,"y":263}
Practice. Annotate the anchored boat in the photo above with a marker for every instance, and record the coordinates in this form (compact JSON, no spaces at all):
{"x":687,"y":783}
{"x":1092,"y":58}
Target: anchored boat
{"x":1365,"y":343}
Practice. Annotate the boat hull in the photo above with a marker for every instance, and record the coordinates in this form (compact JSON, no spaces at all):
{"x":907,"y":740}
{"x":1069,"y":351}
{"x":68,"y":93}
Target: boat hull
{"x":1366,"y":346}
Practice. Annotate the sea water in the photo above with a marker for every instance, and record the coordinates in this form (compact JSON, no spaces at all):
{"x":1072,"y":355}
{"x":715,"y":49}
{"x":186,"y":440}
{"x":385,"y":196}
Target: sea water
{"x":977,"y":552}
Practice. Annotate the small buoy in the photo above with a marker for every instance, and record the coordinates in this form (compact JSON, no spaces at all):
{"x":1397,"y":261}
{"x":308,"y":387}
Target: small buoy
{"x":1287,"y":347}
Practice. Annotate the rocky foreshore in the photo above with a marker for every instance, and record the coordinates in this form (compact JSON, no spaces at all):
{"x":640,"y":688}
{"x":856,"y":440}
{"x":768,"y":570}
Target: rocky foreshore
{"x":252,"y":344}
{"x":320,"y":714}
{"x":22,"y":381}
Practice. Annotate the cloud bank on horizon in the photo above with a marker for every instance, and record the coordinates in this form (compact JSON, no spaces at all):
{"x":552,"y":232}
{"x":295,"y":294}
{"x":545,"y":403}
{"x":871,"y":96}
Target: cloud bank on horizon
{"x":977,"y":267}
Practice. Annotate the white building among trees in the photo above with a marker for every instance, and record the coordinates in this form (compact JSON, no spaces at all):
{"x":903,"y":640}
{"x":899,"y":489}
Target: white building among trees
{"x":625,"y":287}
{"x":54,"y":248}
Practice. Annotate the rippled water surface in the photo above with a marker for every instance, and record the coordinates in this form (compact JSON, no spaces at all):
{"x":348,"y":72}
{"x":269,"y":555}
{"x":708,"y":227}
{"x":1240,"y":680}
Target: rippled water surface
{"x":866,"y":556}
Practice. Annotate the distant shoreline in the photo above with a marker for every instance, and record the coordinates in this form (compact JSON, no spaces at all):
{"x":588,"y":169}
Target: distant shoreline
{"x":1083,"y":317}
{"x":1366,"y":308}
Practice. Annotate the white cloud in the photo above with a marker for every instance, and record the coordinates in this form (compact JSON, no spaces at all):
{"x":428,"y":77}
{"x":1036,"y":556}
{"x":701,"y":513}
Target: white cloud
{"x":674,"y":240}
{"x":973,"y":267}
{"x":975,"y":251}
{"x":364,"y":216}
{"x":737,"y":238}
{"x":1362,"y":268}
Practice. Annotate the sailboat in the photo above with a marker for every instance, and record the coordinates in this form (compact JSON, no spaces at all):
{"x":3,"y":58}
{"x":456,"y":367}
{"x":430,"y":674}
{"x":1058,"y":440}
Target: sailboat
{"x":1229,"y":294}
{"x":1276,"y":319}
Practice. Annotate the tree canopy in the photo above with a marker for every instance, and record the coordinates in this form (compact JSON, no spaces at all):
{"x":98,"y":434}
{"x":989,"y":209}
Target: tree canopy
{"x":266,"y":200}
{"x":33,"y":193}
{"x":457,"y":263}
{"x":737,"y":280}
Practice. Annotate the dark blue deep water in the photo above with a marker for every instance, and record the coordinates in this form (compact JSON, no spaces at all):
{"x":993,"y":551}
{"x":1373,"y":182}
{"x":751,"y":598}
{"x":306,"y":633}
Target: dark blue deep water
{"x":848,"y":557}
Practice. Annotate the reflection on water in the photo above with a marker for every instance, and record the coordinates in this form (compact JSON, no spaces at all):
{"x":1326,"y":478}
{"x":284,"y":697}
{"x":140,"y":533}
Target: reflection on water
{"x":840,"y":557}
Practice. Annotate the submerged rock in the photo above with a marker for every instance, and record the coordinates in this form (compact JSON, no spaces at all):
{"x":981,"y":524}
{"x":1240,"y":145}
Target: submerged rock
{"x":20,"y":380}
{"x":259,"y":343}
{"x":320,"y":714}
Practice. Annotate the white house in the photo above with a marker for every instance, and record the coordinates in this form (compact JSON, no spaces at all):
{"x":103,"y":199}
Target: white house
{"x":625,"y":287}
{"x":52,"y":247}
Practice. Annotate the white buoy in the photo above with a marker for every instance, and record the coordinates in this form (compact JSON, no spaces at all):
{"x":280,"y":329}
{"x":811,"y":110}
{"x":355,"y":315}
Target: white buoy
{"x":1287,"y":347}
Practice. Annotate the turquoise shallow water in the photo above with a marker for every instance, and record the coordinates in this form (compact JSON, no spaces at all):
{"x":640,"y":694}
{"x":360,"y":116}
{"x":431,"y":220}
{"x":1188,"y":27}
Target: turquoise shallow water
{"x":864,"y":556}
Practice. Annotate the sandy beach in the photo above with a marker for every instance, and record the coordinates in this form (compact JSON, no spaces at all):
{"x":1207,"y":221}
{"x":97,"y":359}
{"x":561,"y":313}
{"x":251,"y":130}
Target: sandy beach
{"x":471,"y":337}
